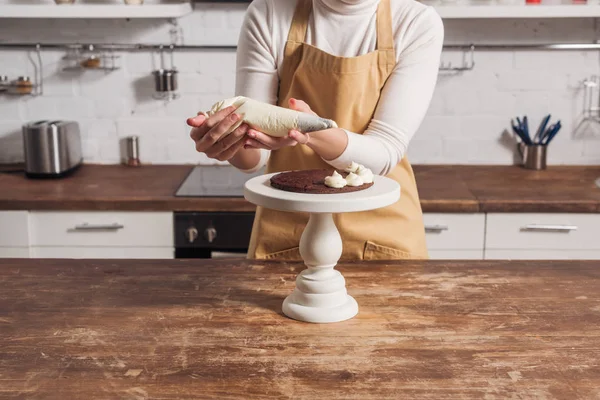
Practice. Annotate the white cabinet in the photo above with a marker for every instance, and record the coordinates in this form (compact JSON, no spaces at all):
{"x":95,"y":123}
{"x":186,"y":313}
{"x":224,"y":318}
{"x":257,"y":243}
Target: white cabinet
{"x":542,"y":254}
{"x":86,"y":234}
{"x":102,"y":229}
{"x":14,"y":252}
{"x":456,"y":254}
{"x":542,"y":236}
{"x":454,"y":236}
{"x":14,"y":234}
{"x":103,"y":252}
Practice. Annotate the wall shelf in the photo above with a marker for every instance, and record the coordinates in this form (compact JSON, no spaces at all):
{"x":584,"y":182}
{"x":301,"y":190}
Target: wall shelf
{"x":520,"y":11}
{"x":152,"y":10}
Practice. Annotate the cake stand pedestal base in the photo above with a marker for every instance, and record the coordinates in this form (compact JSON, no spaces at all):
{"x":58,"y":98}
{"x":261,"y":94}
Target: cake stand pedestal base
{"x":320,"y":295}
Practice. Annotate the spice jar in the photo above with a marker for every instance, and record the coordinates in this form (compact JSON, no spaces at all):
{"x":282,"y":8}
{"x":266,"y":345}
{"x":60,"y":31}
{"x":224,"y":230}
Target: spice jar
{"x":4,"y":83}
{"x":22,"y":85}
{"x":90,"y":58}
{"x":92,"y":61}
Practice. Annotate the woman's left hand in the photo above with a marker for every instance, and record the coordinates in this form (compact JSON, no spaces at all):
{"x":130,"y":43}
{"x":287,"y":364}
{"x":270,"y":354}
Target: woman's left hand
{"x":259,"y":140}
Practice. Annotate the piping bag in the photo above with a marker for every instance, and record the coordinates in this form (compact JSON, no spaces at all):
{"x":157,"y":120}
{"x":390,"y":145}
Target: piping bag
{"x":269,"y":119}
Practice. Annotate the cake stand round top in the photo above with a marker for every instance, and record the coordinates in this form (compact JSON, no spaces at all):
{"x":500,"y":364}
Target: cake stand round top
{"x":259,"y":191}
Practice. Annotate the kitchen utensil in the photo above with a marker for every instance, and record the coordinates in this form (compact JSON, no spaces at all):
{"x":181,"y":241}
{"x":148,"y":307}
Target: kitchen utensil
{"x":52,"y":148}
{"x":552,"y":133}
{"x":534,"y":156}
{"x":519,"y":132}
{"x":4,"y":84}
{"x":541,"y":129}
{"x":165,"y":80}
{"x":133,"y":151}
{"x":526,"y":128}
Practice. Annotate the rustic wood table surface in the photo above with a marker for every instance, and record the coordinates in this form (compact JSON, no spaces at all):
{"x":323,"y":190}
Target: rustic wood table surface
{"x":177,"y":329}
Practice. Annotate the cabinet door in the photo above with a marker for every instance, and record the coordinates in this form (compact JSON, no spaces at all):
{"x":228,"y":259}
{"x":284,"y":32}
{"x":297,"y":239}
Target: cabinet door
{"x":103,"y":229}
{"x":14,"y":252}
{"x":14,"y":229}
{"x":454,"y":231}
{"x":542,"y":254}
{"x":103,"y":252}
{"x":529,"y":231}
{"x":456,"y":254}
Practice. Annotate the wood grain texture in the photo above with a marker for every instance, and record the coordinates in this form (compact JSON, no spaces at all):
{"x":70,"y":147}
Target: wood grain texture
{"x":442,"y":188}
{"x":205,"y":330}
{"x":515,"y":189}
{"x":111,"y":187}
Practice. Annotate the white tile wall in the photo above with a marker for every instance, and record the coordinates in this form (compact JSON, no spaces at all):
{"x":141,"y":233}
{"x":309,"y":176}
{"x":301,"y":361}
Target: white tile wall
{"x":467,"y":121}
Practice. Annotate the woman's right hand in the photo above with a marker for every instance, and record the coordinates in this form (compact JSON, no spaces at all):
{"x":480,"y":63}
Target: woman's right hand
{"x":207,"y":133}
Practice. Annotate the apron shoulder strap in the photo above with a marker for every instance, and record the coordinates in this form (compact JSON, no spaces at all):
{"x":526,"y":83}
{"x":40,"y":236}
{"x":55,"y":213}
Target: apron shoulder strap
{"x":385,"y":35}
{"x":299,"y":25}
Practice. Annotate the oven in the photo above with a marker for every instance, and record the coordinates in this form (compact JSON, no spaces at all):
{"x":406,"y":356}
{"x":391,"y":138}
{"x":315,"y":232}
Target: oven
{"x":212,"y":234}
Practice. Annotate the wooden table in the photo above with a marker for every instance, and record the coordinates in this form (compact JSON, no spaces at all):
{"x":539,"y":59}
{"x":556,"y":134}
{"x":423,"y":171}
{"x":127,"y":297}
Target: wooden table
{"x":208,"y":329}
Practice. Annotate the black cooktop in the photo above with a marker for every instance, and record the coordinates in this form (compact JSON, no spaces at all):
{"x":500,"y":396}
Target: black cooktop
{"x":214,"y":181}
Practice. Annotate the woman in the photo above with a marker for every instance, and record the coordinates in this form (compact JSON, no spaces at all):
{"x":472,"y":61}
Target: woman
{"x":371,"y":66}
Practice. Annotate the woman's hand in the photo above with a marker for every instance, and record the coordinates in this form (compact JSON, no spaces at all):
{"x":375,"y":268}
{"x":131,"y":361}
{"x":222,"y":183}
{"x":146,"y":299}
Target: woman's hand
{"x":207,"y":133}
{"x":259,"y":140}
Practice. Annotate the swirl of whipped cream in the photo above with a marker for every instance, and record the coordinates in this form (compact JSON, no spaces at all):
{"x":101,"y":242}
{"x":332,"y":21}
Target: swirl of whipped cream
{"x":336,"y":181}
{"x":352,"y":167}
{"x":365,"y":173}
{"x":354,"y":180}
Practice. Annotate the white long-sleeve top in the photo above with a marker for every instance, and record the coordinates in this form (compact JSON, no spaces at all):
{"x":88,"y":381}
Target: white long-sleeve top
{"x":347,"y":28}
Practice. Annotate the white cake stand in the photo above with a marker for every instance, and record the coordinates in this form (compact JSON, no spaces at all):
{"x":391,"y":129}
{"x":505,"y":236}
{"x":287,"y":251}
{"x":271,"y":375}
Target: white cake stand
{"x":320,"y":295}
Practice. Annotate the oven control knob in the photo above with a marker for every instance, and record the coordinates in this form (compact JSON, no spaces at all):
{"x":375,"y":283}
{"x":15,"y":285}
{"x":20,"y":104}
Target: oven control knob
{"x":192,"y":234}
{"x":210,"y":234}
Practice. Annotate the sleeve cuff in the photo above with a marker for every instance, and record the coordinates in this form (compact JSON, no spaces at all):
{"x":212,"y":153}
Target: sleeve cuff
{"x":344,"y":160}
{"x":264,"y":157}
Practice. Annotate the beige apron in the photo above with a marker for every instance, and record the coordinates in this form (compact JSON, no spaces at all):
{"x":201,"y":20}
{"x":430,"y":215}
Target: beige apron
{"x":346,"y":90}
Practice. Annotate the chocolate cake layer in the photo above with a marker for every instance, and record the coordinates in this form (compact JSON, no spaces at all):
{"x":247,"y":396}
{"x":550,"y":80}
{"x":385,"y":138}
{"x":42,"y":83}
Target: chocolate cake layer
{"x":311,"y":181}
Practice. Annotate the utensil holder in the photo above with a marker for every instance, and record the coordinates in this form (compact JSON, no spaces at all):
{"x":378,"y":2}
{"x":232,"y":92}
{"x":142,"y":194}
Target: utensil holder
{"x":533,"y":156}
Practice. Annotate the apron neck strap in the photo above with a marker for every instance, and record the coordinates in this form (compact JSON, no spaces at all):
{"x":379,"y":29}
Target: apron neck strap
{"x":385,"y":37}
{"x":299,"y":26}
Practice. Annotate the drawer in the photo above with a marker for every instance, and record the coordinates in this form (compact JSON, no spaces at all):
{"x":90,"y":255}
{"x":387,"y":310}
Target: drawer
{"x":456,"y":254}
{"x":542,"y":255}
{"x":543,"y":231}
{"x":14,"y":252}
{"x":14,"y":228}
{"x":103,"y":252}
{"x":454,"y":231}
{"x":102,"y":229}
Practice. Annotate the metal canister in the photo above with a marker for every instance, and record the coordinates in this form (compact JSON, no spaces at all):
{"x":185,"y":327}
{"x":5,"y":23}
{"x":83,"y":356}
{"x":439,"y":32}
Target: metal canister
{"x":133,"y":151}
{"x":534,"y":156}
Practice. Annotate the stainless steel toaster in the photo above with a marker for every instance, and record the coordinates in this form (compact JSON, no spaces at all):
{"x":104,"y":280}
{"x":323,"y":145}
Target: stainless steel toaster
{"x":52,"y":148}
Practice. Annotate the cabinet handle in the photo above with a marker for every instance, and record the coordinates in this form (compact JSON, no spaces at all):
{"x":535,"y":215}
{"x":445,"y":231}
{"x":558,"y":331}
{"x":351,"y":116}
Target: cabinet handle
{"x":436,"y":228}
{"x":549,"y":228}
{"x":88,"y":227}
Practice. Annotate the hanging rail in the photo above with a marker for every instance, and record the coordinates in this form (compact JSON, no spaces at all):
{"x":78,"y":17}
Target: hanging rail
{"x":175,"y":47}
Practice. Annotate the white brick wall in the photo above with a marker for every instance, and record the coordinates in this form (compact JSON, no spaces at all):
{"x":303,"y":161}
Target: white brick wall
{"x":467,"y":122}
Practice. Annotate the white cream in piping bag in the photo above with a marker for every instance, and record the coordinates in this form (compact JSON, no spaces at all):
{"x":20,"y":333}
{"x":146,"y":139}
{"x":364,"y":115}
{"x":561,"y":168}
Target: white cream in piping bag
{"x":358,"y":175}
{"x":269,"y":119}
{"x":336,"y":181}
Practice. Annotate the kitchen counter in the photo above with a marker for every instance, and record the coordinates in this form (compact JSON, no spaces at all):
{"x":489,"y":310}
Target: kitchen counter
{"x":74,"y":329}
{"x":442,"y":189}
